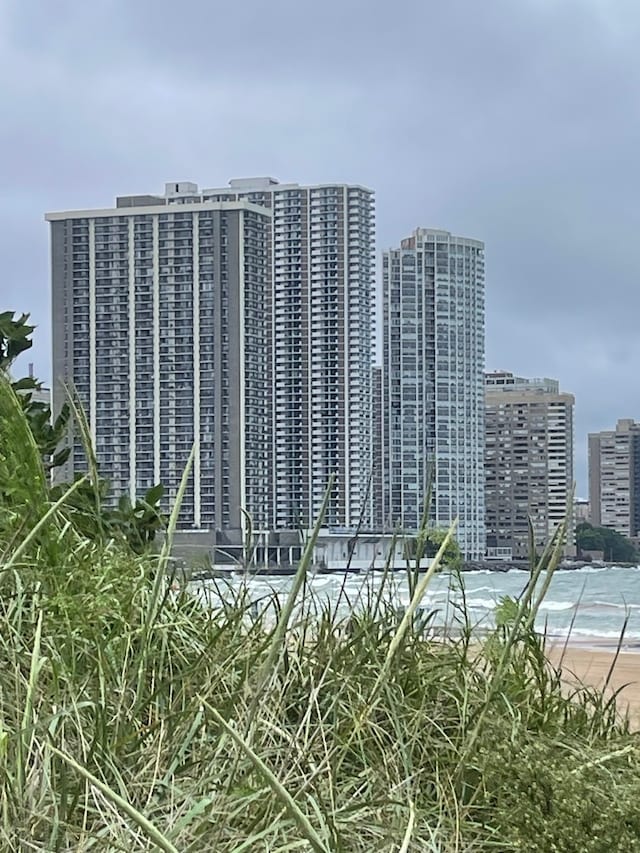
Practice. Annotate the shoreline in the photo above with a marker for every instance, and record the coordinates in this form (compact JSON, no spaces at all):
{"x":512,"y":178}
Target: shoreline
{"x":589,"y":662}
{"x":191,"y":573}
{"x":595,"y":643}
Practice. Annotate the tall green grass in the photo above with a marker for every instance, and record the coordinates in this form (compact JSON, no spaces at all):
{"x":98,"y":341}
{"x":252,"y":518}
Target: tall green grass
{"x":132,"y":717}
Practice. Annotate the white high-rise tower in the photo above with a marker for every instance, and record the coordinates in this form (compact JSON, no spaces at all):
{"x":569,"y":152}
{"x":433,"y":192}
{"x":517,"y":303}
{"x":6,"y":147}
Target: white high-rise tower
{"x":433,"y":361}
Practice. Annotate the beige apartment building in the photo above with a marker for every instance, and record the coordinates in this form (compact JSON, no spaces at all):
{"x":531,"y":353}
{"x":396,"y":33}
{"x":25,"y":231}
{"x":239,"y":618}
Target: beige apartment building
{"x":614,"y":478}
{"x":528,"y":462}
{"x":581,"y":510}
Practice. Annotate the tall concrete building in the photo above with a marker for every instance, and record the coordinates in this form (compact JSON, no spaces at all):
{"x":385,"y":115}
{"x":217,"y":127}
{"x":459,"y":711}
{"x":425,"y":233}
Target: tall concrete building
{"x":322,"y":272}
{"x":433,"y":362}
{"x":528,"y":462}
{"x":614,"y":478}
{"x":162,"y":323}
{"x":265,"y":364}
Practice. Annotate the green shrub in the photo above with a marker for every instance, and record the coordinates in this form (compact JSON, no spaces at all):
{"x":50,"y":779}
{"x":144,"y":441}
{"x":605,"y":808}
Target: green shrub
{"x":133,"y":717}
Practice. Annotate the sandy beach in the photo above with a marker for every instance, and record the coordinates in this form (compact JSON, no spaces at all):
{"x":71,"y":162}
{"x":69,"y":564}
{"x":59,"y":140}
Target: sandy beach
{"x":589,"y":664}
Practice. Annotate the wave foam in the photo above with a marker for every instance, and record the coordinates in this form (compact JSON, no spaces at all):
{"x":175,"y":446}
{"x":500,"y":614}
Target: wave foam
{"x":592,"y":570}
{"x":479,"y":589}
{"x":482,"y":603}
{"x":592,"y":632}
{"x":589,"y":570}
{"x":554,"y":606}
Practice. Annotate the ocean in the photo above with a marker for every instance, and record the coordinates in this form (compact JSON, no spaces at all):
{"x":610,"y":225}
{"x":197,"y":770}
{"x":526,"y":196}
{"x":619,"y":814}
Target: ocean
{"x":588,"y":603}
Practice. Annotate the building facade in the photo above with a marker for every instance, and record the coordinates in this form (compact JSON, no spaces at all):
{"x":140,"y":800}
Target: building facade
{"x":582,"y":511}
{"x":614,"y":478}
{"x":323,"y":281}
{"x":162,"y":325}
{"x":377,"y":500}
{"x":433,"y":363}
{"x":528,"y":463}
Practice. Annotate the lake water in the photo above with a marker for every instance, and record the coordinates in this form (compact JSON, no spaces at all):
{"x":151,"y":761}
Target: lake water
{"x":591,"y":602}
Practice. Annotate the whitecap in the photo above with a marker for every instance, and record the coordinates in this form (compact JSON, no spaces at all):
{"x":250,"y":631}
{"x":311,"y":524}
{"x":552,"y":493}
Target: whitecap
{"x":590,"y":570}
{"x":591,"y":632}
{"x":557,"y":605}
{"x":479,"y":589}
{"x":482,"y":603}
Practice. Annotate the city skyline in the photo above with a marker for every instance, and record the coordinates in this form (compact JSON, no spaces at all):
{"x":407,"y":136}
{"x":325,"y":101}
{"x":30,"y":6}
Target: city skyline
{"x":237,"y":321}
{"x":235,"y":189}
{"x":499,"y":138}
{"x":250,"y":188}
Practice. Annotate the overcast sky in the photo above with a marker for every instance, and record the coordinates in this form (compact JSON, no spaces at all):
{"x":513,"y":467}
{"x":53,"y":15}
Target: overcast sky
{"x":513,"y":121}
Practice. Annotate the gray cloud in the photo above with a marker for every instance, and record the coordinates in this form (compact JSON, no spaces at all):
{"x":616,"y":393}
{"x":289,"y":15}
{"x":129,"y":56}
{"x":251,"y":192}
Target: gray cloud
{"x":518,"y":123}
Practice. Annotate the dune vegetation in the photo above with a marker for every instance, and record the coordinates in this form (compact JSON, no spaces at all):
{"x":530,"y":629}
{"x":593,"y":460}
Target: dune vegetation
{"x":132,"y":717}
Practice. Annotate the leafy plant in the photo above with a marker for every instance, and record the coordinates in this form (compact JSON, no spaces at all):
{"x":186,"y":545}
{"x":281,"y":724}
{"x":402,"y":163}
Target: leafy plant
{"x":90,"y":506}
{"x":14,"y":337}
{"x":47,"y":432}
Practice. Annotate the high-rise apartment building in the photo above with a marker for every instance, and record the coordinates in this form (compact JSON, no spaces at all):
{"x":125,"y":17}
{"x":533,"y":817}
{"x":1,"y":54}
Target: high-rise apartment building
{"x":237,"y":318}
{"x":528,"y":462}
{"x":433,"y":363}
{"x":162,"y":323}
{"x":614,"y":478}
{"x":322,"y":273}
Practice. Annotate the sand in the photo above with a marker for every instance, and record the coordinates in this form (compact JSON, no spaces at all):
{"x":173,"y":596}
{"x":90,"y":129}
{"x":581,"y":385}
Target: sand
{"x":589,"y":664}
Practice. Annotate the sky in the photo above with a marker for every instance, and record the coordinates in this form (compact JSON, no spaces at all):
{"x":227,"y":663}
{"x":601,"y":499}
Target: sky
{"x":516,"y":122}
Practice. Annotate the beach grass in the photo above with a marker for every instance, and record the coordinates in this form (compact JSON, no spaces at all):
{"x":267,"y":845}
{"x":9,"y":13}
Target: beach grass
{"x":132,"y":717}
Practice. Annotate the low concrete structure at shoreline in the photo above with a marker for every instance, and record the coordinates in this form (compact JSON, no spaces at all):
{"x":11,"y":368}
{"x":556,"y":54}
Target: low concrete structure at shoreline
{"x":524,"y":565}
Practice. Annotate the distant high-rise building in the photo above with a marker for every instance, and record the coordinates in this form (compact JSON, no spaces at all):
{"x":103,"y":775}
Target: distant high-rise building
{"x":614,"y":478}
{"x":528,"y":462}
{"x":433,"y":362}
{"x":162,"y":324}
{"x":322,"y":271}
{"x":582,"y":511}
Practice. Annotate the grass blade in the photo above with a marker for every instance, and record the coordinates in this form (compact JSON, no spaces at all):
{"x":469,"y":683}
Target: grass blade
{"x":274,"y":783}
{"x":27,"y":722}
{"x":40,"y":524}
{"x":409,"y":832}
{"x":139,"y":819}
{"x":409,"y":614}
{"x":298,"y":580}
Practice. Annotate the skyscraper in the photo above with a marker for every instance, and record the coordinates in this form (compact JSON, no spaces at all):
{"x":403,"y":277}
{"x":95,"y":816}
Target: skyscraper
{"x":162,"y":323}
{"x":236,"y":318}
{"x":528,"y":462}
{"x":614,"y":478}
{"x":433,"y":360}
{"x":322,"y":272}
